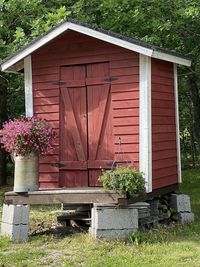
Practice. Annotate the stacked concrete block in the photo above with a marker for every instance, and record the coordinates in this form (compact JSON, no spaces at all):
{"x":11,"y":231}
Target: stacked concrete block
{"x":146,"y":219}
{"x":113,"y":222}
{"x":185,"y":217}
{"x":15,"y":221}
{"x":143,"y":209}
{"x":181,"y":204}
{"x":154,"y":207}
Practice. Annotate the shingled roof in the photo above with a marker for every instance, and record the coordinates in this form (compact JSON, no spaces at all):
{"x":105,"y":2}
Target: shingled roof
{"x":15,"y":62}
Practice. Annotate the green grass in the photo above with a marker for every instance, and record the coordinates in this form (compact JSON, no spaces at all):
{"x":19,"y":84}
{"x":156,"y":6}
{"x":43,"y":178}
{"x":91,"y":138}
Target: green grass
{"x":164,"y":246}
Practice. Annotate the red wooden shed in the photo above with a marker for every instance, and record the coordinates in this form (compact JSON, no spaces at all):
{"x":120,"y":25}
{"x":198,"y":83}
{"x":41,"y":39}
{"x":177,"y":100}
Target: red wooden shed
{"x":110,"y":98}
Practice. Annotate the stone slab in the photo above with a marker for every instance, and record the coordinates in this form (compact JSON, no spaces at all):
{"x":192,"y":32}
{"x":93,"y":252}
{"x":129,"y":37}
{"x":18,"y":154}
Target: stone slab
{"x":139,"y":205}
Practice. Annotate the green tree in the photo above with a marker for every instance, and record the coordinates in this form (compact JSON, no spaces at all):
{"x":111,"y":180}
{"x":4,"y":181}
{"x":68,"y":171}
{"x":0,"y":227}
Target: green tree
{"x":173,"y":24}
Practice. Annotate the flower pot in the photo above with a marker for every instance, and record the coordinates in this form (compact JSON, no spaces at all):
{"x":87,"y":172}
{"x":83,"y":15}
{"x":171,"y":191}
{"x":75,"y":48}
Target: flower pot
{"x":26,"y":174}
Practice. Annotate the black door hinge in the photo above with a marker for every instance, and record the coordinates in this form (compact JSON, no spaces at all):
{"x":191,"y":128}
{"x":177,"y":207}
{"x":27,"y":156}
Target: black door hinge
{"x":110,"y":79}
{"x":58,"y":83}
{"x":58,"y":164}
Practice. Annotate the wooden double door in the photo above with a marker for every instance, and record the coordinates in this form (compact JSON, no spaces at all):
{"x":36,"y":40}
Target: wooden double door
{"x":86,"y":143}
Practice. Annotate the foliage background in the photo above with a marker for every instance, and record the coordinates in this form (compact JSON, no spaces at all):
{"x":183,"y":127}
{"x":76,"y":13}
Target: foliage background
{"x":173,"y":24}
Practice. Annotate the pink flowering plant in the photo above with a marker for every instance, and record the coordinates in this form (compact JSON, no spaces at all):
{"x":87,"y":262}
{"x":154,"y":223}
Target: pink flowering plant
{"x":27,"y":135}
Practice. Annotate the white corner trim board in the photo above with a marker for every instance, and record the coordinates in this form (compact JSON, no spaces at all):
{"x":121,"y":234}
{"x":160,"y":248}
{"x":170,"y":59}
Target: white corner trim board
{"x":93,"y":33}
{"x":145,"y":160}
{"x":177,"y":124}
{"x":28,"y":86}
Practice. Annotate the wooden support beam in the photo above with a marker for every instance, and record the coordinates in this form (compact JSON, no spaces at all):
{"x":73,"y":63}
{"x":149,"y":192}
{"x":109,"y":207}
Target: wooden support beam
{"x":70,"y":196}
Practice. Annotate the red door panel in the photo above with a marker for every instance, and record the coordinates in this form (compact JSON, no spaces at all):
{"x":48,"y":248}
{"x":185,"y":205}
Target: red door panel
{"x":86,"y":126}
{"x":100,"y":143}
{"x":73,"y":141}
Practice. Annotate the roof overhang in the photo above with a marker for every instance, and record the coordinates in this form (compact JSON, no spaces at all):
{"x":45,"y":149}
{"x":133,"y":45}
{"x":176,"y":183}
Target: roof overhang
{"x":12,"y":63}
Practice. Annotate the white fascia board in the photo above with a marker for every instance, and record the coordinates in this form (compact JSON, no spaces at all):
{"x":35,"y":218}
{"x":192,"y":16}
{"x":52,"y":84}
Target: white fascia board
{"x":171,"y":58}
{"x":78,"y":28}
{"x":110,"y":39}
{"x":28,"y":86}
{"x":178,"y":147}
{"x":145,"y":158}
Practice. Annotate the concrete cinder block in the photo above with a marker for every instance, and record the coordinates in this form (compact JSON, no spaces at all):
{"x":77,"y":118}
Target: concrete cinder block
{"x":15,"y":214}
{"x":143,"y":213}
{"x":15,"y":220}
{"x":180,"y":202}
{"x":11,"y":213}
{"x":24,"y":232}
{"x":111,"y":233}
{"x":113,"y":222}
{"x":16,"y":232}
{"x":154,"y":207}
{"x":10,"y":230}
{"x":114,"y":218}
{"x":187,"y":203}
{"x":185,"y":217}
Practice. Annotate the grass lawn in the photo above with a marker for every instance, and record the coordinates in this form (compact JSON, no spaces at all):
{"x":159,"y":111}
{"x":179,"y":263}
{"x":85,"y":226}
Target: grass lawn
{"x":174,"y":246}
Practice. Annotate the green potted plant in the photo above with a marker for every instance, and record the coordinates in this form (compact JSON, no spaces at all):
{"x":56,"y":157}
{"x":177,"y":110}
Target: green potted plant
{"x":26,"y":139}
{"x":124,"y":180}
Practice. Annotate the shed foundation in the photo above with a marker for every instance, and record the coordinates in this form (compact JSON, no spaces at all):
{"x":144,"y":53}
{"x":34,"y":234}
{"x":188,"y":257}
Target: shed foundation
{"x":181,"y":204}
{"x":112,"y":221}
{"x":15,"y":222}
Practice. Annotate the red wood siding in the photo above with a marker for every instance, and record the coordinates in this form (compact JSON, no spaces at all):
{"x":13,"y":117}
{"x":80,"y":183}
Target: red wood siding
{"x":164,"y":153}
{"x":76,"y":49}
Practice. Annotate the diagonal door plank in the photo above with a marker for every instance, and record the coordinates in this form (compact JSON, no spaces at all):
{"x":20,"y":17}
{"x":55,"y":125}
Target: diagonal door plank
{"x":99,"y":121}
{"x":73,"y":125}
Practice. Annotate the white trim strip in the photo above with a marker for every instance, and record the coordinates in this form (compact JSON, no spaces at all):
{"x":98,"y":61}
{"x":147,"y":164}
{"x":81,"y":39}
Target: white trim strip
{"x":171,"y":58}
{"x":145,"y":161}
{"x":177,"y":125}
{"x":28,"y":86}
{"x":93,"y":33}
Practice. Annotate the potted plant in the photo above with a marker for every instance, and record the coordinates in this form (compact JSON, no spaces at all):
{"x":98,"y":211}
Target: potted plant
{"x":124,"y":180}
{"x":26,"y":139}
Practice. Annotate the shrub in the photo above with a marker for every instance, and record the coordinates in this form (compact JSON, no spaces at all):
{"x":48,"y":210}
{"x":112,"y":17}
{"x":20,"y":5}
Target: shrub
{"x":123,"y":180}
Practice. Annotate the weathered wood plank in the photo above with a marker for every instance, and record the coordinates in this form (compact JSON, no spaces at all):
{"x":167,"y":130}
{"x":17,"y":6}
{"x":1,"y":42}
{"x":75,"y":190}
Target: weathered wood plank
{"x":84,"y":196}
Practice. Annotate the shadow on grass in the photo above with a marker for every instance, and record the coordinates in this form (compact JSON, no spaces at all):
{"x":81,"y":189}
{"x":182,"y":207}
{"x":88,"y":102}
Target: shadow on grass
{"x":59,"y":232}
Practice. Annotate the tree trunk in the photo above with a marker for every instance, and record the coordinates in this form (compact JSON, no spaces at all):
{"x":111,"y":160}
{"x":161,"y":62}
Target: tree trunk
{"x":195,"y":97}
{"x":192,"y":144}
{"x":3,"y":117}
